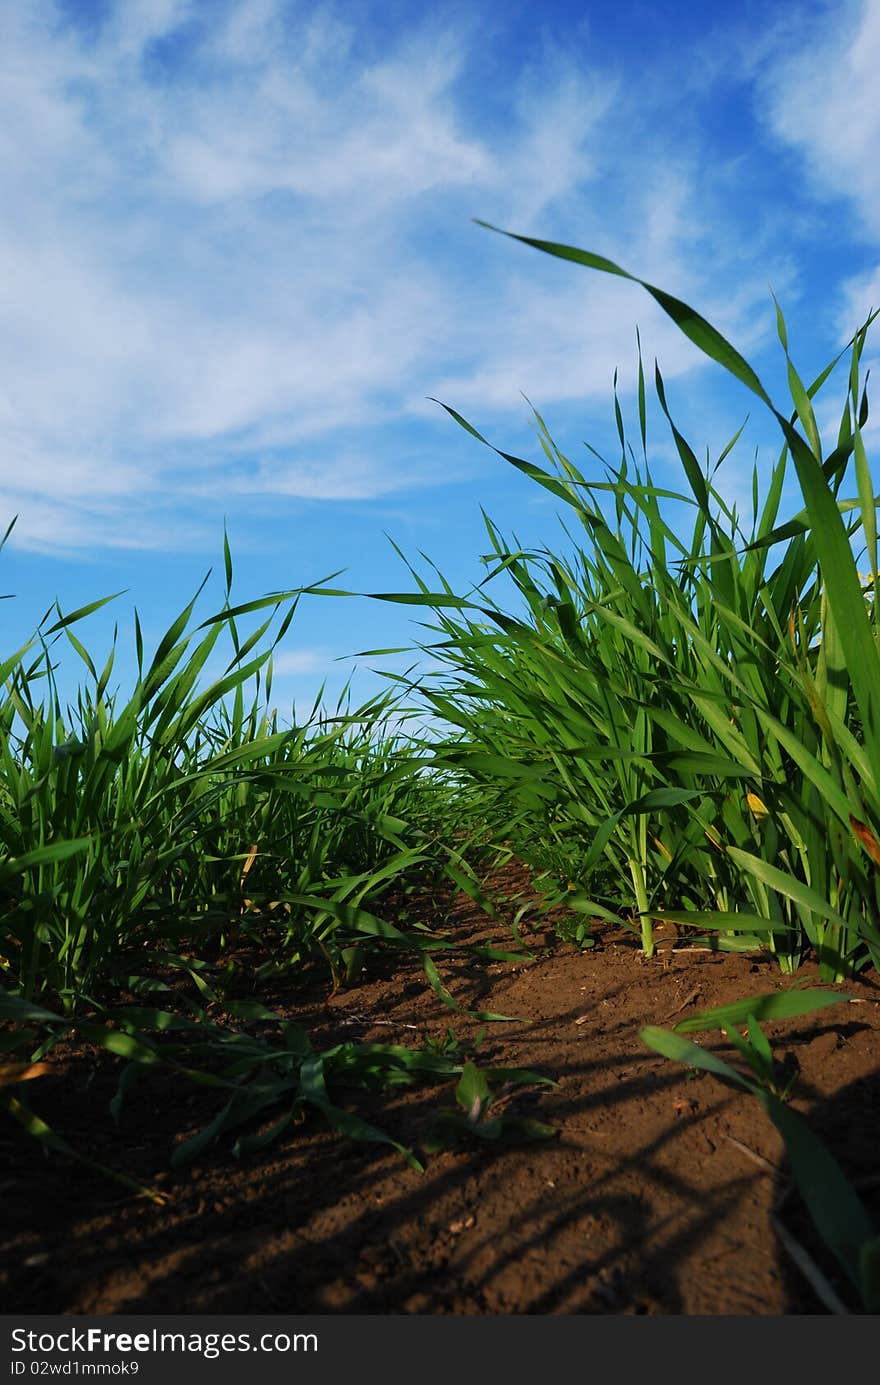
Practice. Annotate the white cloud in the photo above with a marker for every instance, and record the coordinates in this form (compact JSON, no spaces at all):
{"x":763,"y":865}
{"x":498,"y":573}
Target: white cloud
{"x":237,"y":238}
{"x":134,"y":24}
{"x":860,"y":297}
{"x":296,"y":663}
{"x":822,"y":100}
{"x":343,"y":477}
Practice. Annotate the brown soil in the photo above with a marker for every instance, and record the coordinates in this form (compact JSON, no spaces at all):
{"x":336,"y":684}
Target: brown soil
{"x":656,"y":1197}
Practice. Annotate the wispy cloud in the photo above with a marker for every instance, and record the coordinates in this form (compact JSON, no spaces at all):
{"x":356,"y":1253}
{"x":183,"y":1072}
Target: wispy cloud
{"x":821,"y":99}
{"x":242,"y":235}
{"x":296,"y":663}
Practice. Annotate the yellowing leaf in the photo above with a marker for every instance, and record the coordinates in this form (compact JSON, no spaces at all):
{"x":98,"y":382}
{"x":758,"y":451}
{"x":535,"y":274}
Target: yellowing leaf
{"x":251,"y":857}
{"x":867,"y":839}
{"x":21,"y":1072}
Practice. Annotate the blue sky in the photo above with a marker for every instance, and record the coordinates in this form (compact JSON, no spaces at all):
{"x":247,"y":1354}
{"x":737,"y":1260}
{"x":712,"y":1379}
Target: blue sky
{"x":237,"y":257}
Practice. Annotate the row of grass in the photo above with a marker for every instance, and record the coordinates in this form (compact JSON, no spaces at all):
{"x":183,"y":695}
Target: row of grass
{"x":188,"y":814}
{"x":683,"y":721}
{"x":163,"y":857}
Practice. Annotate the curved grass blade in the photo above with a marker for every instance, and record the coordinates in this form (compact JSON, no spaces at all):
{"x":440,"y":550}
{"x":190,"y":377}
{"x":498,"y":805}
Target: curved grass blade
{"x":778,"y":1005}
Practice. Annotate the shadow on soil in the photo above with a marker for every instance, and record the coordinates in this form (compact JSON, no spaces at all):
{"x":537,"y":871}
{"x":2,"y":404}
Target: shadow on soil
{"x":655,"y":1197}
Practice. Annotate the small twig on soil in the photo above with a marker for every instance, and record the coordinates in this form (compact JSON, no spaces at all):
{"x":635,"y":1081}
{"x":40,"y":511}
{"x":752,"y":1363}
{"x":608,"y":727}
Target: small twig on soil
{"x":755,"y":1157}
{"x":367,"y":1019}
{"x":694,"y":995}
